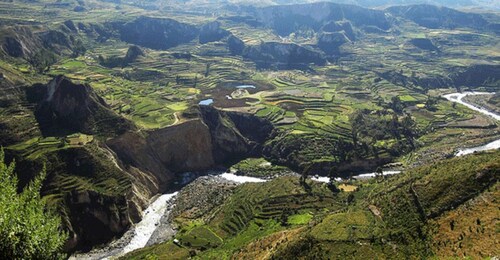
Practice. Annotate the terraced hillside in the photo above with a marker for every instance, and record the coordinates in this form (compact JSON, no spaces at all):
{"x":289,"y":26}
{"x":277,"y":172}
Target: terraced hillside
{"x":440,"y":210}
{"x":118,"y":98}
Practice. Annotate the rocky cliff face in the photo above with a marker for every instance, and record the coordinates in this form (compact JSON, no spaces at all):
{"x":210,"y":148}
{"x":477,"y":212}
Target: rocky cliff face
{"x":210,"y":139}
{"x":161,"y":153}
{"x":287,"y":55}
{"x":24,"y":42}
{"x":340,"y":26}
{"x":458,"y":77}
{"x":285,"y":19}
{"x":477,"y":76}
{"x":13,"y":47}
{"x":235,"y":45}
{"x":76,"y":108}
{"x":95,"y":218}
{"x":235,"y":135}
{"x":96,"y":198}
{"x":212,"y":32}
{"x":133,"y":53}
{"x":330,"y":42}
{"x":434,"y":17}
{"x":157,"y":33}
{"x":19,"y":41}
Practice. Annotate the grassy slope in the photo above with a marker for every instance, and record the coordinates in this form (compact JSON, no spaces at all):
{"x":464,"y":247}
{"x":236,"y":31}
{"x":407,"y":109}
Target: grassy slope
{"x":318,"y":102}
{"x":409,"y":215}
{"x":255,"y":210}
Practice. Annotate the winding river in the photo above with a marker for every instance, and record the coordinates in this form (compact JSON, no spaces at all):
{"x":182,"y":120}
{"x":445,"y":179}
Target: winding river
{"x":458,"y":98}
{"x":141,"y":233}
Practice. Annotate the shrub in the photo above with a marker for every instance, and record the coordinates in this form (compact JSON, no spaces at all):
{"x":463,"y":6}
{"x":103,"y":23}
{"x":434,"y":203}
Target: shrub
{"x":27,"y":229}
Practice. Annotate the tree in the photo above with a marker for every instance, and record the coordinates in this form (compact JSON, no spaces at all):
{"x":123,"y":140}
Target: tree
{"x":42,"y":60}
{"x":27,"y":229}
{"x":379,"y":173}
{"x":305,"y":173}
{"x":408,"y":126}
{"x":332,"y":173}
{"x":331,"y":183}
{"x":78,"y":49}
{"x":396,"y":104}
{"x":430,"y":103}
{"x":207,"y":70}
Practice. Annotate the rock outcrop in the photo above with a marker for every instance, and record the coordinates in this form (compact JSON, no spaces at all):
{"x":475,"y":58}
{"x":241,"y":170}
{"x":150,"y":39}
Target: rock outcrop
{"x":13,"y":47}
{"x":477,"y":76}
{"x":211,"y":138}
{"x":26,"y":42}
{"x":96,"y":199}
{"x":212,"y":32}
{"x":67,"y":106}
{"x":340,"y":26}
{"x":96,"y":218}
{"x":133,"y":53}
{"x":53,"y":40}
{"x":434,"y":17}
{"x":19,"y":42}
{"x":330,"y":42}
{"x":161,"y":153}
{"x":235,"y":135}
{"x":235,"y":45}
{"x":285,"y":19}
{"x":285,"y":55}
{"x":424,"y":44}
{"x":157,"y":33}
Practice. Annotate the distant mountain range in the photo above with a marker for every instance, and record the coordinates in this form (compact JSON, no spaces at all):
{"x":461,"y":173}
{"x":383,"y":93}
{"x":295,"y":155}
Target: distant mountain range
{"x":484,"y":4}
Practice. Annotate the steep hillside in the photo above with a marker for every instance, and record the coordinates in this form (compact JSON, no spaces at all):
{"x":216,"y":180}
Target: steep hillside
{"x":407,"y":208}
{"x":285,"y":19}
{"x":119,"y":99}
{"x":438,"y":17}
{"x":64,"y":105}
{"x":157,"y":33}
{"x":427,"y":211}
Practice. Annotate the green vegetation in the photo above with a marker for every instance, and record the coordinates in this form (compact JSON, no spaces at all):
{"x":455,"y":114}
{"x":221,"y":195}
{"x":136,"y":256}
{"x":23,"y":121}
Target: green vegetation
{"x":407,"y":214}
{"x":258,"y":167}
{"x":376,"y":99}
{"x":27,"y":229}
{"x":254,"y":211}
{"x":299,"y":219}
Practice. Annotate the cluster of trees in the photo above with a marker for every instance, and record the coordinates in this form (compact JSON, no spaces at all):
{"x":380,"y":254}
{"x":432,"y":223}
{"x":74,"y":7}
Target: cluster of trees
{"x":370,"y":128}
{"x":27,"y":229}
{"x":42,"y":60}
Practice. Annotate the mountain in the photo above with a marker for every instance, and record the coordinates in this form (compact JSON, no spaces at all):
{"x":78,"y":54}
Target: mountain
{"x":151,"y":117}
{"x":438,"y":17}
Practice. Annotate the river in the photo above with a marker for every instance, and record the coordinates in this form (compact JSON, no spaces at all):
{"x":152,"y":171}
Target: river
{"x":139,"y":235}
{"x":458,"y":98}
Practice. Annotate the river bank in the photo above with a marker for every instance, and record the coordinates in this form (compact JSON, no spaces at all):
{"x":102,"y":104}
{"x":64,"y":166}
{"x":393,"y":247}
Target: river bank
{"x":458,"y":98}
